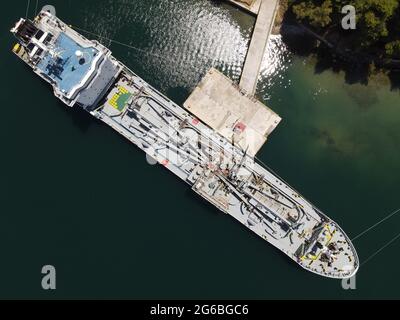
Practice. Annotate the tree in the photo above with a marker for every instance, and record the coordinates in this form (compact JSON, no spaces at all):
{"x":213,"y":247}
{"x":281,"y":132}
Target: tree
{"x":374,"y":17}
{"x":315,"y":14}
{"x":378,"y":21}
{"x":393,"y":49}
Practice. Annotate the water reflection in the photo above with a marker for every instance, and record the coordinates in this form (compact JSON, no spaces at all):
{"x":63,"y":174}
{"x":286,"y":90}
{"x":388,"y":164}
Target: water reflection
{"x":277,"y":60}
{"x":182,"y":39}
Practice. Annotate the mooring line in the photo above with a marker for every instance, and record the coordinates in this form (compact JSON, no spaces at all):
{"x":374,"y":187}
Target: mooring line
{"x":27,"y":8}
{"x":123,"y":44}
{"x":36,"y":7}
{"x":376,"y":224}
{"x":380,"y":250}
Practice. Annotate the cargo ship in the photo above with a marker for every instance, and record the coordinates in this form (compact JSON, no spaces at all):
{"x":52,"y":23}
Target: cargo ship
{"x":83,"y":73}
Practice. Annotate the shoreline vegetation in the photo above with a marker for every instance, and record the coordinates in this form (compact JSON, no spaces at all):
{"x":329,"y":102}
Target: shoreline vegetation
{"x":372,"y":48}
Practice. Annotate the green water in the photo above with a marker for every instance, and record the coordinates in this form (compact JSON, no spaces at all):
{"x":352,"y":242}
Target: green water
{"x":76,"y":195}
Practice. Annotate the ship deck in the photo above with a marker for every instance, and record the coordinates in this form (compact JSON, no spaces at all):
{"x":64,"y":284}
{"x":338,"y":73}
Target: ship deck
{"x":64,"y":66}
{"x":264,"y":203}
{"x":206,"y":159}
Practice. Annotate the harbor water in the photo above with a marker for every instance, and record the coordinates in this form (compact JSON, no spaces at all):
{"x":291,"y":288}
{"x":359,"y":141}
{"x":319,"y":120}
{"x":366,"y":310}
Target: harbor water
{"x":76,"y":195}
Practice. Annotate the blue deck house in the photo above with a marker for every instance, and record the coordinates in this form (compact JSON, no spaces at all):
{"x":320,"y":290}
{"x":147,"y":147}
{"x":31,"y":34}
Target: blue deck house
{"x":67,"y":63}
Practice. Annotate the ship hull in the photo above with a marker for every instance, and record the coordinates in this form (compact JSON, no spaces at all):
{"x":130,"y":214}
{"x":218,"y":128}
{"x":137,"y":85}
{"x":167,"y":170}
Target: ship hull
{"x":217,"y":170}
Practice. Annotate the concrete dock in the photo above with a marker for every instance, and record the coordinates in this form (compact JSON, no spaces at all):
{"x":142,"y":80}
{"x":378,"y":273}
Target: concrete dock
{"x":240,"y":118}
{"x":264,"y":24}
{"x":231,"y":109}
{"x":251,"y":6}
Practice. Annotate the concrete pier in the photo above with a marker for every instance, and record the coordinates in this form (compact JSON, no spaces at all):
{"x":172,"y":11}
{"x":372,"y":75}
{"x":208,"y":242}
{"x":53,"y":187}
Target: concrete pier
{"x":264,"y":24}
{"x":252,"y":8}
{"x":240,"y":118}
{"x":231,"y":109}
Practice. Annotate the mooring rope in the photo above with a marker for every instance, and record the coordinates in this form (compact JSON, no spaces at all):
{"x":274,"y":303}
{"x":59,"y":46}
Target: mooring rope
{"x":27,"y":8}
{"x":376,"y":224}
{"x":36,"y":7}
{"x":380,"y":250}
{"x":124,"y":44}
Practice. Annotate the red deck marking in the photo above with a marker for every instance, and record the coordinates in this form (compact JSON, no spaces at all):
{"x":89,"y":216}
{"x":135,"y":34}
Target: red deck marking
{"x":211,"y":166}
{"x":240,"y":126}
{"x":195,"y":122}
{"x":165,"y":162}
